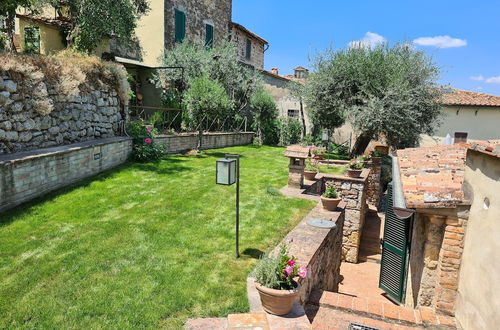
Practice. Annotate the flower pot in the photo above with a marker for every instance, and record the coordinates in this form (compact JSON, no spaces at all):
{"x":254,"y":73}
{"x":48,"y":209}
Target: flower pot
{"x":330,"y":204}
{"x":310,"y":175}
{"x":277,"y":302}
{"x":319,"y":157}
{"x":354,"y":173}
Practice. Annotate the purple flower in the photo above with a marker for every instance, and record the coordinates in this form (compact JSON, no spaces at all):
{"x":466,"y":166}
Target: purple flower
{"x":289,"y":270}
{"x":148,"y":141}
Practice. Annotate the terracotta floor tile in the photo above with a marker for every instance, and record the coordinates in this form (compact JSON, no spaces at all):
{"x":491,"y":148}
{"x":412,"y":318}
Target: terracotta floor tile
{"x":391,"y":311}
{"x":345,"y":301}
{"x":360,"y":305}
{"x":376,"y":308}
{"x":447,"y":321}
{"x":428,"y":315}
{"x":407,"y":315}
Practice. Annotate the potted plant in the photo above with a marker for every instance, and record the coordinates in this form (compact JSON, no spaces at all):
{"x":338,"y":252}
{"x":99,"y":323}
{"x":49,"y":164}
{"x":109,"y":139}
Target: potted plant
{"x":275,"y":280}
{"x":330,"y":198}
{"x":355,"y":168}
{"x":318,"y":153}
{"x":311,"y":170}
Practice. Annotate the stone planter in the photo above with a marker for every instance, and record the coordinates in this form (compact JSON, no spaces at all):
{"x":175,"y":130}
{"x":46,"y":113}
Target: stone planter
{"x":310,"y":175}
{"x":330,"y":204}
{"x":277,"y":302}
{"x":354,"y":173}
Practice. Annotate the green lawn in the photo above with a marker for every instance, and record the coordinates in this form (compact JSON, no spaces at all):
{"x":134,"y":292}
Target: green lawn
{"x":332,"y":169}
{"x":144,"y":245}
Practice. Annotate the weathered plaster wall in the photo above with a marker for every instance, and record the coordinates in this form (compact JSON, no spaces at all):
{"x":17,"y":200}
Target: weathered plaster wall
{"x":50,"y":38}
{"x":478,"y":303}
{"x":28,"y":175}
{"x":184,"y":142}
{"x":198,"y":12}
{"x":150,"y":32}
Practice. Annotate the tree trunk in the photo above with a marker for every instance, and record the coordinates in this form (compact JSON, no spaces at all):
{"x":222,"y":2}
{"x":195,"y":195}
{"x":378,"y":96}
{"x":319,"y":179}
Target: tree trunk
{"x":10,"y":24}
{"x":200,"y":140}
{"x":304,"y":129}
{"x":361,"y":144}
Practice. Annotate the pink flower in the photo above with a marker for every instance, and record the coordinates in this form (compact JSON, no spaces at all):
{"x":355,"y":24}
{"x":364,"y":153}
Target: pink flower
{"x":289,"y":270}
{"x":303,"y":272}
{"x":283,"y":276}
{"x":291,"y":262}
{"x":148,"y":141}
{"x":149,"y":129}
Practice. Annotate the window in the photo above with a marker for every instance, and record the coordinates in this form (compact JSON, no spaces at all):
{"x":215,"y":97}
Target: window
{"x":180,"y":26}
{"x":32,"y":40}
{"x":209,"y":35}
{"x":293,"y":114}
{"x":248,"y":54}
{"x":460,"y":137}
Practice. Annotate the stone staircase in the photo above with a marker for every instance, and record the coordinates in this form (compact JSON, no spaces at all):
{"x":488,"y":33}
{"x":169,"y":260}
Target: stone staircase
{"x":370,"y":249}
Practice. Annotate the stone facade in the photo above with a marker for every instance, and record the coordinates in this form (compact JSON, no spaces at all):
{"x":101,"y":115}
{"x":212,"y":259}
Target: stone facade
{"x":92,"y":114}
{"x":28,"y":175}
{"x":217,"y":13}
{"x":241,"y":37}
{"x":354,"y":192}
{"x":374,"y":188}
{"x":185,"y":142}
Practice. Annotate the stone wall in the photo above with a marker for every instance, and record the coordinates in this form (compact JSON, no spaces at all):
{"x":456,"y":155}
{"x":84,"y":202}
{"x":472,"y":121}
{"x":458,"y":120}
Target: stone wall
{"x":198,"y":13}
{"x":354,"y":192}
{"x":240,"y":38}
{"x":28,"y":175}
{"x":185,"y":142}
{"x":373,"y":190}
{"x":89,"y":115}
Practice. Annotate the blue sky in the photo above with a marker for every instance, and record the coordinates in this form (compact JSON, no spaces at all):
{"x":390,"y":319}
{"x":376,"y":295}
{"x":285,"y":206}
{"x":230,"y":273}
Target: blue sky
{"x":463,"y":37}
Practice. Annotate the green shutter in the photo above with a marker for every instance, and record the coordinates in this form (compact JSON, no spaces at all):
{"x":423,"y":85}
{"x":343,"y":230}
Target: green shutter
{"x":209,"y":36}
{"x":395,"y":252}
{"x":249,"y":49}
{"x":180,"y":26}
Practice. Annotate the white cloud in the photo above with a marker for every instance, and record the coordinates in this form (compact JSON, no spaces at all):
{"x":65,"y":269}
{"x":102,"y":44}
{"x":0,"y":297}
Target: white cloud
{"x":493,"y":80}
{"x":370,"y":40}
{"x":477,"y":78}
{"x":479,"y":88}
{"x":440,"y":42}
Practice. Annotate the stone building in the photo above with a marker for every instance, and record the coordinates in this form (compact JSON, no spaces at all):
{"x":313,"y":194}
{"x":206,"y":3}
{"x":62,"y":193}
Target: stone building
{"x":251,"y":47}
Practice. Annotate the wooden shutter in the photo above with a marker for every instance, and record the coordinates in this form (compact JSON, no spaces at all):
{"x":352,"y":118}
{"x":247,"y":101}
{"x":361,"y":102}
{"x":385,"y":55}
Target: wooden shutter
{"x":461,"y":137}
{"x":249,"y":49}
{"x":209,"y":36}
{"x":180,"y":26}
{"x":395,"y":252}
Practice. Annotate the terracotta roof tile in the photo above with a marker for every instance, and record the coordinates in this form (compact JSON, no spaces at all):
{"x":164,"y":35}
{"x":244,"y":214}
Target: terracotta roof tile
{"x":461,"y":97}
{"x":433,"y":176}
{"x":491,"y":147}
{"x":54,"y":22}
{"x":247,"y":31}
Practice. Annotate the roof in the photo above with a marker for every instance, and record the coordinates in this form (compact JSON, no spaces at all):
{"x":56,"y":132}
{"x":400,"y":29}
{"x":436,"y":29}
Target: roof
{"x":269,"y":73}
{"x":53,"y":22}
{"x":297,"y":151}
{"x":300,"y":68}
{"x":432,"y":177}
{"x":461,"y":97}
{"x":491,"y":147}
{"x":247,"y":31}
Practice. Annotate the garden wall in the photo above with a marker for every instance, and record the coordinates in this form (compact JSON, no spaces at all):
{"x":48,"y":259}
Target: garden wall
{"x":28,"y":175}
{"x":47,"y":101}
{"x":189,"y":141}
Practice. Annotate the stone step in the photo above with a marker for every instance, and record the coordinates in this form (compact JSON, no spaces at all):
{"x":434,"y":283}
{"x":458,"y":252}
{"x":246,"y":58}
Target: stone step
{"x":206,"y":324}
{"x":248,"y":321}
{"x":380,"y":310}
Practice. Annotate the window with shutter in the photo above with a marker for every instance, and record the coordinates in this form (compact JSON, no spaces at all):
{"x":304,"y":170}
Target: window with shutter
{"x":180,"y":26}
{"x":461,"y":137}
{"x":248,"y":54}
{"x":209,"y":36}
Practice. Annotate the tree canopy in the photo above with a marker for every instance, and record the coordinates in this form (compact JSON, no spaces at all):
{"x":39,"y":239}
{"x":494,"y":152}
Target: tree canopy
{"x":389,"y":92}
{"x":264,"y":112}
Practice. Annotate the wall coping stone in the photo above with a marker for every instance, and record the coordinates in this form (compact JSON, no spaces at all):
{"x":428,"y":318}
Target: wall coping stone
{"x":204,"y":134}
{"x":362,"y":179}
{"x":38,"y":153}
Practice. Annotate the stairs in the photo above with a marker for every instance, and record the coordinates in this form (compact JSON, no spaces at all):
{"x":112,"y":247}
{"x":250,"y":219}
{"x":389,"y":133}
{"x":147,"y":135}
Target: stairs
{"x":370,"y":249}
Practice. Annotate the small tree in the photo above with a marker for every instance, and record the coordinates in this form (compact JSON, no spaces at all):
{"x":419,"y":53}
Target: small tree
{"x":205,"y":99}
{"x":385,"y":91}
{"x":8,"y":10}
{"x":264,"y":113}
{"x":298,"y":91}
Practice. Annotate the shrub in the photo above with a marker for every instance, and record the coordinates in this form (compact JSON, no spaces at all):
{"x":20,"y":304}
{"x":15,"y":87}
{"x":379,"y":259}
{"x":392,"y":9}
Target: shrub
{"x":356,"y":164}
{"x":338,"y":149}
{"x":330,"y":192}
{"x":310,"y":166}
{"x":145,"y":148}
{"x":264,"y":113}
{"x":278,"y":272}
{"x":289,"y":131}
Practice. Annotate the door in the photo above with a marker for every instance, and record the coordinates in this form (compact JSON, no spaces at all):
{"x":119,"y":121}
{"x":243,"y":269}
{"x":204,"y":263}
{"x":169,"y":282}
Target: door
{"x":395,"y":252}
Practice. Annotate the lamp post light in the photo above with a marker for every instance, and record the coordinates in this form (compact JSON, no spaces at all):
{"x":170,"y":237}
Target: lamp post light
{"x":227,"y":174}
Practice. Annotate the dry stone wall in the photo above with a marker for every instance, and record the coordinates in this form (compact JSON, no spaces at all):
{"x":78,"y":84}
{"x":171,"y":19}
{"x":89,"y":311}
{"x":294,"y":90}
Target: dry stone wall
{"x":89,"y":115}
{"x":374,"y":188}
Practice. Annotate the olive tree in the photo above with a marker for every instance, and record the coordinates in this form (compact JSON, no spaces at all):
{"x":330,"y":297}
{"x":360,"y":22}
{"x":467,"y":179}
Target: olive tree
{"x":205,"y":99}
{"x":264,"y":112}
{"x":389,"y":92}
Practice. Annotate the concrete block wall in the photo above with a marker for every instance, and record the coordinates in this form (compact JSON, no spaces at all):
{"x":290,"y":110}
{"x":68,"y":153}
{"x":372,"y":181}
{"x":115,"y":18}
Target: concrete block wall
{"x":24,"y":176}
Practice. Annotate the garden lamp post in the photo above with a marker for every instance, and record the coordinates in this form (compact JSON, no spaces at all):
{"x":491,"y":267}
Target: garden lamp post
{"x":227,"y":174}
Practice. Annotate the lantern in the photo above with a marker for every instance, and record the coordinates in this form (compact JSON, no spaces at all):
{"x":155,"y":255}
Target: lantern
{"x":226,"y":172}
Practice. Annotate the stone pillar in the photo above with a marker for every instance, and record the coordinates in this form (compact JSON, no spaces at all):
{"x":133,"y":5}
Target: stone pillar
{"x":296,"y":173}
{"x":373,"y":189}
{"x":432,"y":247}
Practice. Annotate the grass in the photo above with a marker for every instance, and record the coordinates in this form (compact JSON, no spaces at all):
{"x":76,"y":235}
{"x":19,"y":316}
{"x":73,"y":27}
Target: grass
{"x":144,"y":245}
{"x":332,"y":169}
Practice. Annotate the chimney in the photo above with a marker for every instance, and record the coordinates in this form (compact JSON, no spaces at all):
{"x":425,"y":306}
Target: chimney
{"x":275,"y":71}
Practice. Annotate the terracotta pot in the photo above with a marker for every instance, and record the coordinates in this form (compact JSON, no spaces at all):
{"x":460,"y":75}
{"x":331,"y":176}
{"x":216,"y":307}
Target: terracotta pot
{"x":330,"y":204}
{"x":319,"y":157}
{"x":277,"y":302}
{"x":310,"y":175}
{"x":354,"y":173}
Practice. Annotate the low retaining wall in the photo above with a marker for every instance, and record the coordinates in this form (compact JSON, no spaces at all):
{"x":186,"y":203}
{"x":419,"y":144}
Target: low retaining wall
{"x":27,"y":175}
{"x":185,"y":142}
